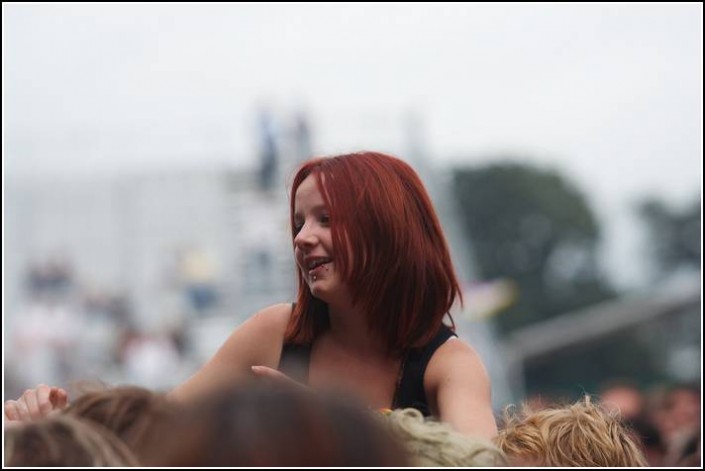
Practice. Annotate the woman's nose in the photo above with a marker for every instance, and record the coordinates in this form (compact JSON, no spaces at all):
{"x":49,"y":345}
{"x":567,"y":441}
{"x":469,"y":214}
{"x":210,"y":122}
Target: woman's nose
{"x":305,"y":238}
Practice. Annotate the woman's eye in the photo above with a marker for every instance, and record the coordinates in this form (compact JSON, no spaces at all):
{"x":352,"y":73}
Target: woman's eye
{"x":297,"y":228}
{"x":325,"y":219}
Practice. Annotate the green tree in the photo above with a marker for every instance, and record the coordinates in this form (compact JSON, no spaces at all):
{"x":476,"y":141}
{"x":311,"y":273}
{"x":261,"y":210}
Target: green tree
{"x":675,"y":234}
{"x":531,"y":226}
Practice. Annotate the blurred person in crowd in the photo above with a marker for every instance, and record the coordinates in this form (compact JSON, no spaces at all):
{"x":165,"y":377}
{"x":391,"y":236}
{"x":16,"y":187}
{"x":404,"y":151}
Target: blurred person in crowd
{"x":375,"y":284}
{"x":268,"y":149}
{"x":198,"y":275}
{"x":581,"y":434}
{"x":624,"y":398}
{"x":151,"y":359}
{"x":690,"y":454}
{"x":64,"y":440}
{"x":683,"y":406}
{"x":301,"y":134}
{"x":50,"y":278}
{"x":44,"y":337}
{"x":96,"y":352}
{"x":275,"y":425}
{"x":432,"y":443}
{"x":676,"y":411}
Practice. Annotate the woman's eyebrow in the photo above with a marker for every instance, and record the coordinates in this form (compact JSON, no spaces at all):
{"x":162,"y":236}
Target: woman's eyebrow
{"x":318,"y":207}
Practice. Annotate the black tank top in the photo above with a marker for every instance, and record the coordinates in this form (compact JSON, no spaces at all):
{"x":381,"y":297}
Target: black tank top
{"x":295,"y":360}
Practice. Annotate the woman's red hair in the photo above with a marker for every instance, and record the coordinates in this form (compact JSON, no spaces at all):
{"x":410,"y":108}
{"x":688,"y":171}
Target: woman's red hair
{"x":397,"y":268}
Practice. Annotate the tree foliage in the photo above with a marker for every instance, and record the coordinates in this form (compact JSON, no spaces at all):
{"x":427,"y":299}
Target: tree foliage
{"x":675,"y":234}
{"x":532,"y":226}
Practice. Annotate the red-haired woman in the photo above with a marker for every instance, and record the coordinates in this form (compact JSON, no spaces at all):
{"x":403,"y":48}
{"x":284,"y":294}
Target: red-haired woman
{"x":375,"y":283}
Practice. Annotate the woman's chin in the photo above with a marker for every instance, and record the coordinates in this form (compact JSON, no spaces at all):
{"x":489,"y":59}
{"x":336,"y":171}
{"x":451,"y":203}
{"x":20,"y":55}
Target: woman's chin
{"x":320,"y":293}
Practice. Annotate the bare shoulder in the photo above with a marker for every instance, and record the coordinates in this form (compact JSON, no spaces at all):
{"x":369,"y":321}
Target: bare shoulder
{"x":458,"y":388}
{"x":455,"y":357}
{"x":258,"y":340}
{"x":270,"y":320}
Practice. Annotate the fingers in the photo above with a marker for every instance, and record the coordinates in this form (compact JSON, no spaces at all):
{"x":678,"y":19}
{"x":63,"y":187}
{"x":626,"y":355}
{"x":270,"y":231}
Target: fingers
{"x":44,"y":405}
{"x":22,"y":411}
{"x":31,"y":402}
{"x":59,"y":398}
{"x":265,"y":371}
{"x":36,"y":403}
{"x":12,"y":412}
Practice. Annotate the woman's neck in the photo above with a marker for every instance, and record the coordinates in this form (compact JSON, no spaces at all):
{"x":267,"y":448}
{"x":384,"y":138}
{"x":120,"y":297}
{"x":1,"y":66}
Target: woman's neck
{"x":349,"y":329}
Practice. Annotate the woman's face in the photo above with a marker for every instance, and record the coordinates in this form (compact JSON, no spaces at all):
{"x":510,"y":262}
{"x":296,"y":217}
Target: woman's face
{"x":313,"y":242}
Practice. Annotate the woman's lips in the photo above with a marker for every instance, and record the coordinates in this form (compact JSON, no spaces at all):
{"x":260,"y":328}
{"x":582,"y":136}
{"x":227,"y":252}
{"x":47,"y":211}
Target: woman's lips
{"x":318,"y":270}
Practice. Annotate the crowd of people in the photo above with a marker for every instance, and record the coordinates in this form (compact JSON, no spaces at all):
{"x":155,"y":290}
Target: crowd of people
{"x":363,"y":369}
{"x":259,"y":424}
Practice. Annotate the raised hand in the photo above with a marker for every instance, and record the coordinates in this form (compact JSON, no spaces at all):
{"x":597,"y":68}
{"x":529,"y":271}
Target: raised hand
{"x":36,"y":403}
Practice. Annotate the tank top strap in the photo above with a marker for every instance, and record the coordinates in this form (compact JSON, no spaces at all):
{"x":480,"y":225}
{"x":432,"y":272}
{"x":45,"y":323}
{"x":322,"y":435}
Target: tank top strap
{"x":295,"y":361}
{"x":410,"y":390}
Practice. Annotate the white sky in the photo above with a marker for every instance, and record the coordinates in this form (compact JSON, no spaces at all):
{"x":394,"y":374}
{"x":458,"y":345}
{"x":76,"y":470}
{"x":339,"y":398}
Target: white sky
{"x":611,"y":95}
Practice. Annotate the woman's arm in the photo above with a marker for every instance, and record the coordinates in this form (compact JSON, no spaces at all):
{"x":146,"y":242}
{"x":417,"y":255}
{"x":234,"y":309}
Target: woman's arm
{"x":258,"y":341}
{"x":458,"y":389}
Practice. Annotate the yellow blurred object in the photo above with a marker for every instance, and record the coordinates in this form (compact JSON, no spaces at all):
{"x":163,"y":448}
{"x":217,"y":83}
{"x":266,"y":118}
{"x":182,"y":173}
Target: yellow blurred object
{"x":197,"y":266}
{"x":487,"y":298}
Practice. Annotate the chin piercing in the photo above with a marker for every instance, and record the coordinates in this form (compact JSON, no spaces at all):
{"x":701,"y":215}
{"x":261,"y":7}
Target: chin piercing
{"x":314,"y":277}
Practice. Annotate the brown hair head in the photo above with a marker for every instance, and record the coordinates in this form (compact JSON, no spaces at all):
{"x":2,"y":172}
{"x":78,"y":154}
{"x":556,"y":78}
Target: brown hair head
{"x":130,"y":412}
{"x":64,"y":440}
{"x":258,"y":425}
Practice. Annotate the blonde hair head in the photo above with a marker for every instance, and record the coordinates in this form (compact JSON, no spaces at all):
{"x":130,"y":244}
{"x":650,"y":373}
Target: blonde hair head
{"x":581,"y":434}
{"x":431,"y":443}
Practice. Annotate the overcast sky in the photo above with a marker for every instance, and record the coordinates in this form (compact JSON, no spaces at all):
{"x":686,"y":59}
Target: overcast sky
{"x":610,"y":95}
